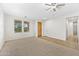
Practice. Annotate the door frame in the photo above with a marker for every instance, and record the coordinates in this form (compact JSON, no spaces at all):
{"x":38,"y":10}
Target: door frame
{"x":74,"y":20}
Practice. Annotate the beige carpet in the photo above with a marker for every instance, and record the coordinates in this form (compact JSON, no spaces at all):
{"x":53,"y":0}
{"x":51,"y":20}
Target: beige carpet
{"x":33,"y":46}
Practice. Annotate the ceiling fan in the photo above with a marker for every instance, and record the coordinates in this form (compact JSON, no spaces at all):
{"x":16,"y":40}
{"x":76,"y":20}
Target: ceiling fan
{"x":54,"y":6}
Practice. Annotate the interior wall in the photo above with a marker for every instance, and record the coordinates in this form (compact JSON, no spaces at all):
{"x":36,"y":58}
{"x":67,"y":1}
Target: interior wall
{"x":9,"y":28}
{"x":55,"y":28}
{"x":1,"y":28}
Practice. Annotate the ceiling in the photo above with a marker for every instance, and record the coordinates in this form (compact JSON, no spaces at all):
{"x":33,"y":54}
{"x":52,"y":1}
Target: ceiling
{"x":37,"y":10}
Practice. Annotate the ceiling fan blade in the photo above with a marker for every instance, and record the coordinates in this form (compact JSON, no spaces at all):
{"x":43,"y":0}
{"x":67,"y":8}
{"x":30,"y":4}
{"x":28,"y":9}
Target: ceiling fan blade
{"x":53,"y":4}
{"x":61,"y":4}
{"x":58,"y":6}
{"x":48,"y":4}
{"x":48,"y":9}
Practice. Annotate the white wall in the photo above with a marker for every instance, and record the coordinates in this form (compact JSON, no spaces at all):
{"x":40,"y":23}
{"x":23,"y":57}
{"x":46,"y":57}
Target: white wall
{"x":9,"y":31}
{"x":1,"y":28}
{"x":55,"y":28}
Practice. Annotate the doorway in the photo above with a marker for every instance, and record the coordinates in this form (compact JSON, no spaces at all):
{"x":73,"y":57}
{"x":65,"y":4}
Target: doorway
{"x":72,"y":33}
{"x":39,"y":29}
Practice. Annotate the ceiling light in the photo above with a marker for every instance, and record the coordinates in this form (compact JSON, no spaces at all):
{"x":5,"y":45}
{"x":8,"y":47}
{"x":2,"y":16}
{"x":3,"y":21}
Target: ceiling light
{"x":54,"y":6}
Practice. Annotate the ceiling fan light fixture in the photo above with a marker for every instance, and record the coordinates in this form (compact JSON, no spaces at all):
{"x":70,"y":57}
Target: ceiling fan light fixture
{"x":54,"y":9}
{"x":55,"y":6}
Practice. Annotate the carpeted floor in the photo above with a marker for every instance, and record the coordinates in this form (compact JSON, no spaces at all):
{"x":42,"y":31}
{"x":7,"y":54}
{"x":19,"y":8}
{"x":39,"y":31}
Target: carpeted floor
{"x":33,"y":46}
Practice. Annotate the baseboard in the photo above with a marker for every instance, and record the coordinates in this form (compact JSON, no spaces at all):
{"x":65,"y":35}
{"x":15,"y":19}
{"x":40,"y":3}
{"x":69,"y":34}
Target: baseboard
{"x":60,"y":42}
{"x":19,"y":38}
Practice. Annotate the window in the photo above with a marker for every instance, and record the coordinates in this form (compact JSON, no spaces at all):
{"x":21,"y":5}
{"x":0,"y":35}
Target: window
{"x":26,"y":26}
{"x":18,"y":26}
